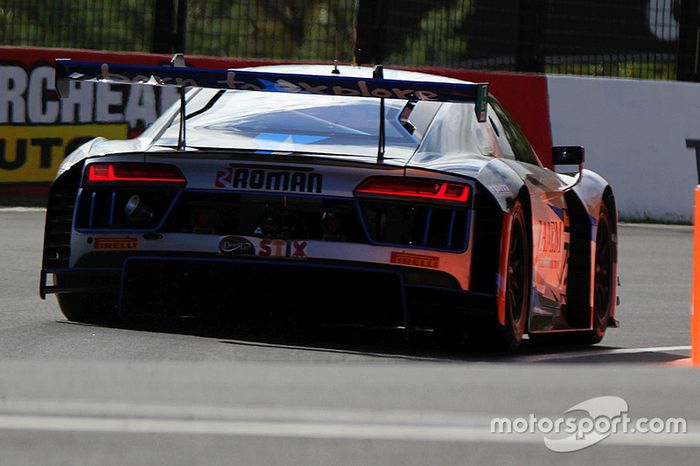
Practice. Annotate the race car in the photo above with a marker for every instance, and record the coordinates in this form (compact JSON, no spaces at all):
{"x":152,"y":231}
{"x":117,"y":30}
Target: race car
{"x":360,"y":195}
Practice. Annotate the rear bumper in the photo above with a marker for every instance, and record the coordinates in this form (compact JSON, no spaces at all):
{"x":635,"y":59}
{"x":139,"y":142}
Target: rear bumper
{"x":352,"y":293}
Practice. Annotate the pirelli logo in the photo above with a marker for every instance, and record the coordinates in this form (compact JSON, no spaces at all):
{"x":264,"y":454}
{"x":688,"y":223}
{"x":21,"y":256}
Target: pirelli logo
{"x":415,"y":260}
{"x":124,"y":242}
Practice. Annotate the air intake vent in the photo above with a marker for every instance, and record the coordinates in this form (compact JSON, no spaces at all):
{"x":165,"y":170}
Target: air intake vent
{"x":410,"y":224}
{"x":59,"y":218}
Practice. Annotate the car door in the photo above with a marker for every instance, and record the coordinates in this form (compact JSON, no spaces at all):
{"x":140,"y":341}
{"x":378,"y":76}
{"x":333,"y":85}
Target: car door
{"x":550,"y":222}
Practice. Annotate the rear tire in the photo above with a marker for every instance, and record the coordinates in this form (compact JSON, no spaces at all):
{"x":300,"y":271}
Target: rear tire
{"x":509,"y":336}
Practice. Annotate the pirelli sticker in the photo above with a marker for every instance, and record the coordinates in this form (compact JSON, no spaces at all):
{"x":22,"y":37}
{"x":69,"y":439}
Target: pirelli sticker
{"x":415,"y":260}
{"x":122,"y":242}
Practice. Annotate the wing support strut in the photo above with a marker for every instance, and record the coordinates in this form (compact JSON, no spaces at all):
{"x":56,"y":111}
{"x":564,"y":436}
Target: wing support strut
{"x":379,"y":74}
{"x":178,"y":60}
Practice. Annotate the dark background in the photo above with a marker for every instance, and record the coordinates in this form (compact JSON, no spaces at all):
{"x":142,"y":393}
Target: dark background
{"x":651,"y":39}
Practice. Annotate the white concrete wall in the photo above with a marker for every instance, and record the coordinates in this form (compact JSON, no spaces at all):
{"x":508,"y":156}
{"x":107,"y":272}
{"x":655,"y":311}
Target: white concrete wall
{"x":634,"y":133}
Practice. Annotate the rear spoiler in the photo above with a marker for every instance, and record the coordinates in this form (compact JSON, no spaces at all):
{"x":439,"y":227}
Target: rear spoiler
{"x":272,"y":82}
{"x":334,"y":85}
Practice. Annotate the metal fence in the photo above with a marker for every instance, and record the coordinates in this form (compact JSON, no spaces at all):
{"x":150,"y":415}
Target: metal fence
{"x":292,"y":29}
{"x":99,"y":24}
{"x":652,"y":39}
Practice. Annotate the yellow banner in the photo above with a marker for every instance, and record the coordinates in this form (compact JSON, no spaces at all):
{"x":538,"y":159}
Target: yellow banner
{"x":32,"y":153}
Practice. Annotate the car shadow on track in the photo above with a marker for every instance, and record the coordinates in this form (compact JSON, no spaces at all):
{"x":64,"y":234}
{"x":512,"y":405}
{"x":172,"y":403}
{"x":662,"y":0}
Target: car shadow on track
{"x":384,"y":344}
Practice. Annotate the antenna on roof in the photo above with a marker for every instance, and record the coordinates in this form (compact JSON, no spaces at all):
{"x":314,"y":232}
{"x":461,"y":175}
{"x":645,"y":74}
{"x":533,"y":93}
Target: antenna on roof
{"x":379,"y":74}
{"x":335,"y":54}
{"x":178,"y":60}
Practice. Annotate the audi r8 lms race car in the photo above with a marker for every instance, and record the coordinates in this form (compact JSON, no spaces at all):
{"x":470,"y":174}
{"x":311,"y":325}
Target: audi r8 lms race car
{"x":362,"y":196}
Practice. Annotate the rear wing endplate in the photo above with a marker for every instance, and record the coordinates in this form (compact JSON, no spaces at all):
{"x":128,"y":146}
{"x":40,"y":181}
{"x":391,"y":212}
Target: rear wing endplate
{"x":272,"y":82}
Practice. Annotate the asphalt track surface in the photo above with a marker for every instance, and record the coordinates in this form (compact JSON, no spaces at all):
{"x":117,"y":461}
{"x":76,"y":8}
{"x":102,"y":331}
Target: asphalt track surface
{"x":186,"y":393}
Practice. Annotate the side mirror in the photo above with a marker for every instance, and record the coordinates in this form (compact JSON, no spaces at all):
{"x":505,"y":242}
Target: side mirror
{"x":568,"y":155}
{"x":569,"y":161}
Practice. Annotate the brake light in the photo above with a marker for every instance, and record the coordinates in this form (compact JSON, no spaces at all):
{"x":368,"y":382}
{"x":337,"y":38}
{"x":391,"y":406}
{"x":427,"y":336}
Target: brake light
{"x":148,"y":173}
{"x":415,"y":188}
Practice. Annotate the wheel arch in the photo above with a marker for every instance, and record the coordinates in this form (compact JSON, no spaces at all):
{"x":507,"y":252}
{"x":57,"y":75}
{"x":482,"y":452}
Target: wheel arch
{"x":609,"y":200}
{"x":524,"y":197}
{"x":610,"y":203}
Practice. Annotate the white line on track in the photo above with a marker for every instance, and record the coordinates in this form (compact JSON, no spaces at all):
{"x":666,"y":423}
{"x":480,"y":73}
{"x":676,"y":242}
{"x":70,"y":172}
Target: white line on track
{"x":657,"y":226}
{"x":22,"y":209}
{"x":416,"y":431}
{"x":313,"y":423}
{"x":599,"y":352}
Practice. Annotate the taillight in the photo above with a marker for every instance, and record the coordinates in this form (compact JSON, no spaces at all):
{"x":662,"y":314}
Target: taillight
{"x":414,"y":188}
{"x":133,"y":173}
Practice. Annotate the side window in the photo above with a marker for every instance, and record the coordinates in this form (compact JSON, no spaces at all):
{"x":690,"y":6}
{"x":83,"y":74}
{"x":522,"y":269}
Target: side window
{"x":520,"y":147}
{"x":500,"y":133}
{"x":455,"y":130}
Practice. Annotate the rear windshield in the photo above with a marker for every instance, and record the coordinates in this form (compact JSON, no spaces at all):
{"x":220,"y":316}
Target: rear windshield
{"x":292,"y":122}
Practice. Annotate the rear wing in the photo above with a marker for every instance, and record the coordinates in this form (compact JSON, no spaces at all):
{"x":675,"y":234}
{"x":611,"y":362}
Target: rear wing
{"x":334,"y":85}
{"x":272,"y":82}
